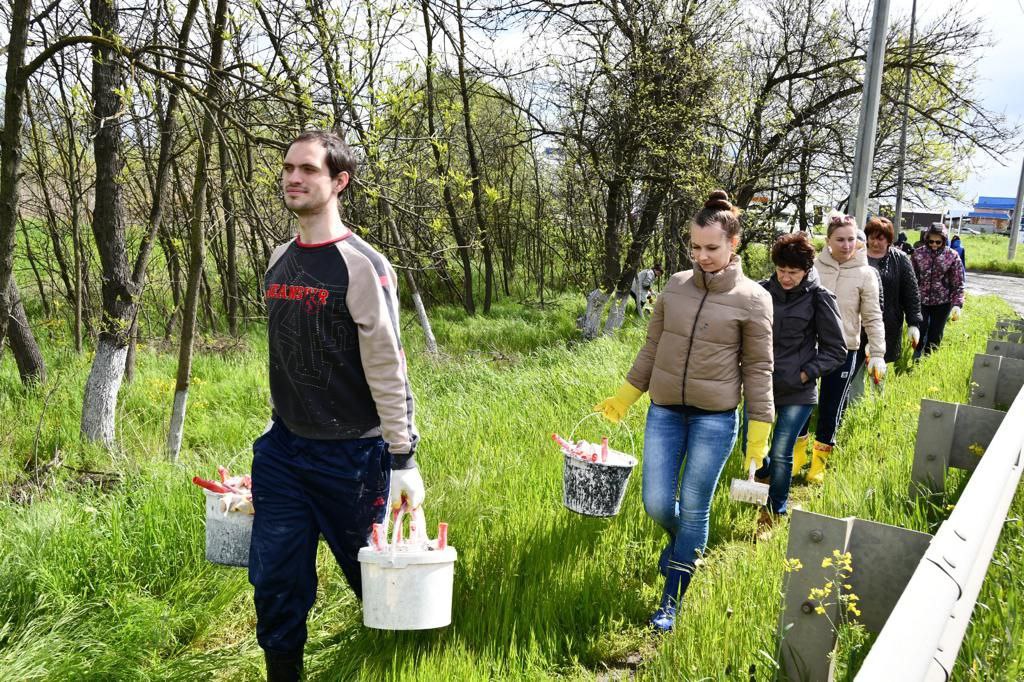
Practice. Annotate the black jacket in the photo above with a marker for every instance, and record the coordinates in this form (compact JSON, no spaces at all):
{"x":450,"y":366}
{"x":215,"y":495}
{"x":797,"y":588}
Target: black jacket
{"x":900,"y":299}
{"x":807,"y":335}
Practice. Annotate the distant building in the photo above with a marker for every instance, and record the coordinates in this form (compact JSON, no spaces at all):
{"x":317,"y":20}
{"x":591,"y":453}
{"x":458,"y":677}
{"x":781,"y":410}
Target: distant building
{"x":921,"y":220}
{"x":992,"y":214}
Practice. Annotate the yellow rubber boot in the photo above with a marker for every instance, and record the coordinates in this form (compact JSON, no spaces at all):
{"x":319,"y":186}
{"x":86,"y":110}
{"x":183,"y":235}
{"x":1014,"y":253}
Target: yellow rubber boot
{"x":799,"y":454}
{"x":819,"y":457}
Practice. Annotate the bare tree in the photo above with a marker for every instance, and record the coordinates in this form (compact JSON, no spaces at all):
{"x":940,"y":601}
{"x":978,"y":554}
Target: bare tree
{"x":197,"y":236}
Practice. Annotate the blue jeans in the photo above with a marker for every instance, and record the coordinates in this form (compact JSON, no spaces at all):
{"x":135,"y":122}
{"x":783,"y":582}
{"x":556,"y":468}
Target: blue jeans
{"x":778,"y":467}
{"x":302,"y":488}
{"x":678,"y":498}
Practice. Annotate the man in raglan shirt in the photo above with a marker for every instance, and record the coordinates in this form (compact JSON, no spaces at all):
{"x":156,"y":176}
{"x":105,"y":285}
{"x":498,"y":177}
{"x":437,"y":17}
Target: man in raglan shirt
{"x":342,"y":436}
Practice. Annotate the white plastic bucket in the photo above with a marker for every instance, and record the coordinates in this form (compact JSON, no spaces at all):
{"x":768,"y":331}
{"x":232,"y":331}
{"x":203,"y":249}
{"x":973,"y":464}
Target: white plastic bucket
{"x":227,"y":535}
{"x":407,"y":589}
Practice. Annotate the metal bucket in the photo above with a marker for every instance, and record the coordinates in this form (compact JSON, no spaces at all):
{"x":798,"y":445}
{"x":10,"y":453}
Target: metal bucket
{"x":596,"y":488}
{"x":227,"y":535}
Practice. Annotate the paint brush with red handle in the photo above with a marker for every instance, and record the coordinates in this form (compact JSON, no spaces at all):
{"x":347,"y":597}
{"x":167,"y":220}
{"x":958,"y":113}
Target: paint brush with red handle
{"x":210,"y":485}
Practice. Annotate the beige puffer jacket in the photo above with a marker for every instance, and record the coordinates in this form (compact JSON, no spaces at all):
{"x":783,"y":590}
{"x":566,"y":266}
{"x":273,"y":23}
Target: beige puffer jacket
{"x":855,"y":285}
{"x":709,"y":336}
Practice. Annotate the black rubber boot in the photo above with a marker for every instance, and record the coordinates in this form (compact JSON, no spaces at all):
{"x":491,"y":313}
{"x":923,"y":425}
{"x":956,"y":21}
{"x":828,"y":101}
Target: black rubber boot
{"x":283,"y":667}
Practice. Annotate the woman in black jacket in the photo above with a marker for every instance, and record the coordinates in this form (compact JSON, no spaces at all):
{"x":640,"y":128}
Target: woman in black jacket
{"x":807,"y":340}
{"x":900,"y":296}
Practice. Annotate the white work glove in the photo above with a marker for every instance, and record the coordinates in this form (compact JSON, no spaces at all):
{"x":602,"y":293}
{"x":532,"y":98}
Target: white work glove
{"x":954,"y":314}
{"x":915,"y":336}
{"x":876,"y":369}
{"x":407,"y":485}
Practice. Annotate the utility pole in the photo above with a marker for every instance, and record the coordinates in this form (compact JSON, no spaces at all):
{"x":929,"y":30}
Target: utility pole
{"x":1015,"y":218}
{"x":906,"y":117}
{"x":864,"y":156}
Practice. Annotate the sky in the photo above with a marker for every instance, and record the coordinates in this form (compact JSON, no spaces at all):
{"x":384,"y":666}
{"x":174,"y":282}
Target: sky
{"x":1000,"y":87}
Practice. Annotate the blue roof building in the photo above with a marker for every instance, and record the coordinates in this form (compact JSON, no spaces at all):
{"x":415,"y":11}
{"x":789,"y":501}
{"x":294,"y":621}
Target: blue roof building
{"x":996,"y":203}
{"x":992,"y":214}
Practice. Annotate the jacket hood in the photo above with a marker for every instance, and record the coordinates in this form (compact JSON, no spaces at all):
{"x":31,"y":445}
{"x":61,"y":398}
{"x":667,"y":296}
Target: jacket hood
{"x":939,"y":229}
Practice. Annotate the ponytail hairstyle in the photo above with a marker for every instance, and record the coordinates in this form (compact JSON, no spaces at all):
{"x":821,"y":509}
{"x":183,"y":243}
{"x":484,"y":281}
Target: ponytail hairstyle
{"x":719,"y":211}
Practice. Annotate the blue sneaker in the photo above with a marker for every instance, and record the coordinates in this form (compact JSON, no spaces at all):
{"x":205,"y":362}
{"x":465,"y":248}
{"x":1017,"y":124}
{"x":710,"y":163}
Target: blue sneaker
{"x":664,"y":619}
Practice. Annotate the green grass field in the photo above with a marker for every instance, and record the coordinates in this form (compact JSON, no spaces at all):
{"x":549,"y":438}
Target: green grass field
{"x":987,"y":253}
{"x":113,"y":585}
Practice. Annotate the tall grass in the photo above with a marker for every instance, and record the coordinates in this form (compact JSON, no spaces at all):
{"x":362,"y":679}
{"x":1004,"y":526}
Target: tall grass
{"x":987,"y":253}
{"x":113,"y":585}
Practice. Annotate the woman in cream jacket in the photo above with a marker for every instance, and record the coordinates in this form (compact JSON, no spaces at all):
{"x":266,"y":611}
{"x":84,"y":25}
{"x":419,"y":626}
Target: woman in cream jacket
{"x":843,"y":269}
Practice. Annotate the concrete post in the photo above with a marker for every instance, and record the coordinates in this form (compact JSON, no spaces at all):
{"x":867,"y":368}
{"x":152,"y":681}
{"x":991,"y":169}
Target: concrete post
{"x":865,"y":153}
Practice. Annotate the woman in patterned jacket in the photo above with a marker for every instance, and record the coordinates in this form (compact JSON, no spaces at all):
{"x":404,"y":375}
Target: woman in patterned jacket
{"x":940,"y":279}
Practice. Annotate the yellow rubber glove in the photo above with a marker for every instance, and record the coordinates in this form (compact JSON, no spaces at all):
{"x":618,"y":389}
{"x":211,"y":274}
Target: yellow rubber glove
{"x":757,"y":445}
{"x":616,"y":407}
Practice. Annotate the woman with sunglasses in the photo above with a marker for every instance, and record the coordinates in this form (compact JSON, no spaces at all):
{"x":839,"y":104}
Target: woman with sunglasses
{"x":844,"y":270}
{"x":940,"y":278}
{"x":709,"y":342}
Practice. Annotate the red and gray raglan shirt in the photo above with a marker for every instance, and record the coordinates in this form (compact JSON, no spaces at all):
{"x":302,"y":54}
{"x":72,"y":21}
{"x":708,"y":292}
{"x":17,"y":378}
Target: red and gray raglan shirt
{"x":337,"y":367}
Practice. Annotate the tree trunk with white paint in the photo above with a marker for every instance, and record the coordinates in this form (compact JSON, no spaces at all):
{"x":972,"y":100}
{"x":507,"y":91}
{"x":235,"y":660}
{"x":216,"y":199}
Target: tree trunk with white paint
{"x":596,"y":301}
{"x":417,"y":300}
{"x":197,"y":236}
{"x":421,"y":315}
{"x":616,"y":312}
{"x":99,"y":408}
{"x":120,"y":295}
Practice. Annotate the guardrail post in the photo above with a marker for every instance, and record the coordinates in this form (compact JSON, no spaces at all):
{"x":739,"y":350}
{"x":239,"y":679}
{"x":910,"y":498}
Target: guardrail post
{"x":884,"y":557}
{"x":995,"y":381}
{"x":1008,"y":335}
{"x":1011,"y":324}
{"x":949,"y":435}
{"x":1005,"y":348}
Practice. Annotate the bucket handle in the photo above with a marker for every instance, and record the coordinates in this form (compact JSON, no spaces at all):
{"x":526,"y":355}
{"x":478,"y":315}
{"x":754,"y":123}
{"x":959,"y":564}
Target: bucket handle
{"x":622,"y":426}
{"x":393,"y":524}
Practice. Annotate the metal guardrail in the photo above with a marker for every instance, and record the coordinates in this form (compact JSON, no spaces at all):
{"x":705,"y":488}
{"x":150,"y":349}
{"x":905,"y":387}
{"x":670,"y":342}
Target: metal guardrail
{"x":922,"y":636}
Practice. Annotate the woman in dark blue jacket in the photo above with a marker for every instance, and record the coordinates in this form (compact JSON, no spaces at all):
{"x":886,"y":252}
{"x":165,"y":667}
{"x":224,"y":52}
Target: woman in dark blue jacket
{"x":808,"y":343}
{"x":900,"y":298}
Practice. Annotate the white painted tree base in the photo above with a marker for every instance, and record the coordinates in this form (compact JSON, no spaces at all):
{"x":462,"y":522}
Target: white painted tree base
{"x":99,"y":404}
{"x":596,"y":301}
{"x":428,"y":331}
{"x":616,"y":313}
{"x":177,"y":424}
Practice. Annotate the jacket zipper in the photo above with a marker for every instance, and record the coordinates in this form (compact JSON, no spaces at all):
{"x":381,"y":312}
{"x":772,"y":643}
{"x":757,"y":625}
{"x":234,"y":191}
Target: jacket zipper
{"x":693,"y":331}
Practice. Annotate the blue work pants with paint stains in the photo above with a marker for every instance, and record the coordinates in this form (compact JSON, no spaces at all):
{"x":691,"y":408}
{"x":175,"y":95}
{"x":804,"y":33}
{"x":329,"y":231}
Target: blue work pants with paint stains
{"x":302,"y":488}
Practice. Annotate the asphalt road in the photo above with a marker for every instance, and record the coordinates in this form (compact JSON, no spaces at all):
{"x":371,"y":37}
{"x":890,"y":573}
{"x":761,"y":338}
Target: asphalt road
{"x":1010,"y":288}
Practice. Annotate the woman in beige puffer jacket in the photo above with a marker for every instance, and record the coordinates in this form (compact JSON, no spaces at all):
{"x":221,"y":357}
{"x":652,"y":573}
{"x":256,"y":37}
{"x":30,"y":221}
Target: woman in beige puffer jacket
{"x":709,"y":345}
{"x":843,"y":269}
